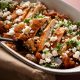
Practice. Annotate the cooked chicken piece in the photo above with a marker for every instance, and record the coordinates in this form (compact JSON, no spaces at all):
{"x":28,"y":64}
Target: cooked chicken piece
{"x":19,"y":27}
{"x":2,"y":28}
{"x":22,"y":17}
{"x":45,"y":34}
{"x":35,"y":10}
{"x":38,"y":56}
{"x":59,"y":33}
{"x":67,"y":62}
{"x":36,"y":24}
{"x":30,"y":43}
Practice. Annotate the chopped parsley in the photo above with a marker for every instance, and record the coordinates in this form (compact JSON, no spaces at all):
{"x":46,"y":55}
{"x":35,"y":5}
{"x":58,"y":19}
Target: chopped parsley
{"x":39,"y":16}
{"x":27,"y":20}
{"x":72,"y":43}
{"x":70,"y":31}
{"x":59,"y":46}
{"x":7,"y":4}
{"x":78,"y":33}
{"x":78,"y":23}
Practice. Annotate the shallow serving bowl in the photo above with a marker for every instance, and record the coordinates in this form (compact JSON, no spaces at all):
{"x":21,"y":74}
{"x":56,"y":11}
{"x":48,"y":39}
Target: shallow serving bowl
{"x":64,"y":8}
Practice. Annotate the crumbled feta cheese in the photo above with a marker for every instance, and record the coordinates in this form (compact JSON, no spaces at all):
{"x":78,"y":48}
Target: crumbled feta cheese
{"x":54,"y":53}
{"x":31,"y":31}
{"x":17,"y":20}
{"x":65,"y":21}
{"x":66,"y":28}
{"x":20,"y":17}
{"x":74,"y":38}
{"x":14,"y":25}
{"x":19,"y":11}
{"x":5,"y":9}
{"x":7,"y":22}
{"x":74,"y":33}
{"x":48,"y":60}
{"x":67,"y":52}
{"x":47,"y":44}
{"x":52,"y":48}
{"x":6,"y":13}
{"x":45,"y":49}
{"x":26,"y":30}
{"x":43,"y":56}
{"x":54,"y":65}
{"x":26,"y":4}
{"x":73,"y":27}
{"x":49,"y":55}
{"x":11,"y":31}
{"x":53,"y":38}
{"x":1,"y":13}
{"x":41,"y":61}
{"x":77,"y":55}
{"x":70,"y":49}
{"x":74,"y":49}
{"x":9,"y":17}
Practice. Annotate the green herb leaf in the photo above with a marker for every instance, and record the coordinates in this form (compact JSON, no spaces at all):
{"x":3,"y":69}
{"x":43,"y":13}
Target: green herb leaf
{"x":70,"y":31}
{"x":39,"y":16}
{"x":27,"y":20}
{"x":59,"y":46}
{"x":72,"y":43}
{"x":78,"y":23}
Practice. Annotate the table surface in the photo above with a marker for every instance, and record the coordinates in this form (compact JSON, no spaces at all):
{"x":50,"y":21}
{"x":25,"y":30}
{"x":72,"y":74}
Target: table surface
{"x":74,"y":3}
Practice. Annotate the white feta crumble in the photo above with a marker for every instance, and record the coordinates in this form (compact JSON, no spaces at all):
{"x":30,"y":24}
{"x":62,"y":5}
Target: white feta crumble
{"x":45,"y":49}
{"x":48,"y":60}
{"x":77,"y":55}
{"x":14,"y":25}
{"x":26,"y":30}
{"x":74,"y":38}
{"x":17,"y":20}
{"x":9,"y":17}
{"x":54,"y":53}
{"x":31,"y":31}
{"x":41,"y":61}
{"x":53,"y":38}
{"x":67,"y":52}
{"x":5,"y":10}
{"x":7,"y":22}
{"x":26,"y":4}
{"x":74,"y":49}
{"x":52,"y":48}
{"x":1,"y":13}
{"x":11,"y":31}
{"x":49,"y":55}
{"x":73,"y":27}
{"x":43,"y":56}
{"x":6,"y":13}
{"x":66,"y":28}
{"x":19,"y":11}
{"x":47,"y":44}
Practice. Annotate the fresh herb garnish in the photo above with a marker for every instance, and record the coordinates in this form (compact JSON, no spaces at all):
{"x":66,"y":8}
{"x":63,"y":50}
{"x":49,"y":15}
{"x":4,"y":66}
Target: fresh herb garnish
{"x":78,"y":23}
{"x":27,"y":20}
{"x":39,"y":16}
{"x":59,"y":46}
{"x":78,"y":33}
{"x":70,"y":31}
{"x":7,"y":4}
{"x":72,"y":43}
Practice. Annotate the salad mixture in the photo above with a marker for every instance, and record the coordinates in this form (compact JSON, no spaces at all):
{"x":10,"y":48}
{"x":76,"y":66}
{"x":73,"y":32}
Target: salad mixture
{"x":49,"y":38}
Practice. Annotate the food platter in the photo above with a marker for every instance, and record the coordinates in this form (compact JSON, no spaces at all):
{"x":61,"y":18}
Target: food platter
{"x":63,"y":8}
